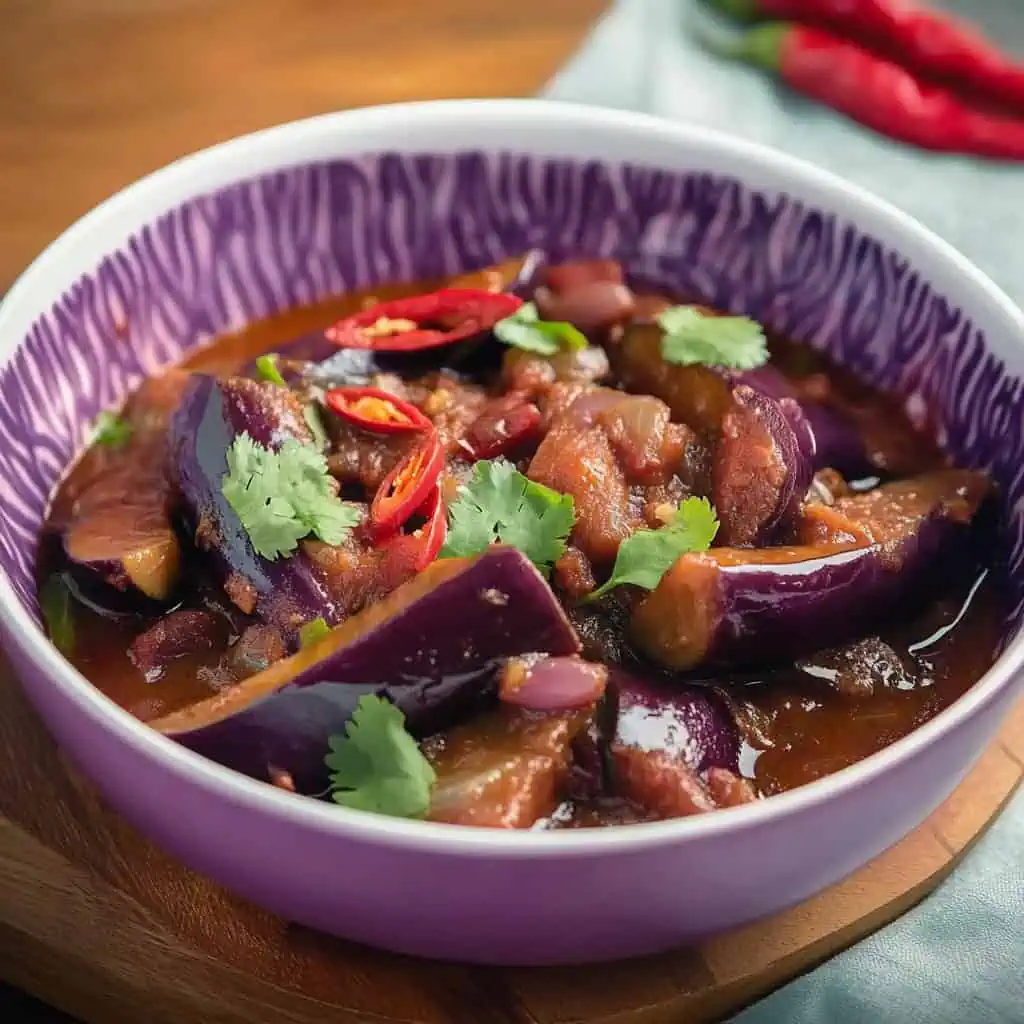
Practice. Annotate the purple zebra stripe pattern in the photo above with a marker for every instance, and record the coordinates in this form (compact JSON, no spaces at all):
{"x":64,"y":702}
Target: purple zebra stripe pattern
{"x":263,"y":246}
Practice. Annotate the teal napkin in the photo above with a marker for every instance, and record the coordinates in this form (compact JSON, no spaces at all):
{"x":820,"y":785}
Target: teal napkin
{"x":959,"y":957}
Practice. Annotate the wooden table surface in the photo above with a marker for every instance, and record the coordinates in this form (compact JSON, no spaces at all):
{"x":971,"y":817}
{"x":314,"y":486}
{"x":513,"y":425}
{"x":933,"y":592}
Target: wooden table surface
{"x":95,"y":93}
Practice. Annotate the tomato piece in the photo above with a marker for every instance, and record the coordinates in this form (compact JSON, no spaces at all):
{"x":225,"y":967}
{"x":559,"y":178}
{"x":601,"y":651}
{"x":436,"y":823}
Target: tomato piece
{"x":376,"y":410}
{"x":406,"y":488}
{"x":424,"y":321}
{"x":504,"y":426}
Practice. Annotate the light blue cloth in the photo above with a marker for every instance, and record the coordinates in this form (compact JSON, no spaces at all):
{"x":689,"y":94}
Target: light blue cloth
{"x":959,"y":957}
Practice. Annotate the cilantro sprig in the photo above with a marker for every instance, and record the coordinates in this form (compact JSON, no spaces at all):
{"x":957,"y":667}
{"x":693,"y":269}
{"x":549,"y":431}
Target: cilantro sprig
{"x":692,"y":337}
{"x":58,"y":613}
{"x":524,"y":329}
{"x":500,"y":504}
{"x":377,"y":766}
{"x":647,"y":555}
{"x":313,"y":630}
{"x":266,"y":369}
{"x":283,"y":496}
{"x":111,"y":430}
{"x":315,"y":421}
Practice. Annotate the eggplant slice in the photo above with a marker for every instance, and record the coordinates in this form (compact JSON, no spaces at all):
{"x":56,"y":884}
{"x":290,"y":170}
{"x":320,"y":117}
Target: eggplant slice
{"x":285,"y":593}
{"x":432,"y":647}
{"x":880,"y":550}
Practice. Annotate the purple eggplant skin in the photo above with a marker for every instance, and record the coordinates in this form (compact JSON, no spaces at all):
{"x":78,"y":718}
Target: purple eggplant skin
{"x":699,"y":397}
{"x":529,"y":274}
{"x":875,"y":553}
{"x":350,"y":367}
{"x":403,"y":648}
{"x":284,"y":593}
{"x":115,"y":516}
{"x":838,"y":441}
{"x":313,"y":360}
{"x":129,"y":545}
{"x":762,"y":466}
{"x":690,"y":722}
{"x":763,"y":448}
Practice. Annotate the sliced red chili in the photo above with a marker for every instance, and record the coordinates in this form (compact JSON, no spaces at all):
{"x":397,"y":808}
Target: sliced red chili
{"x":376,"y":410}
{"x":424,"y":321}
{"x":409,"y":553}
{"x":406,"y":488}
{"x":504,"y":426}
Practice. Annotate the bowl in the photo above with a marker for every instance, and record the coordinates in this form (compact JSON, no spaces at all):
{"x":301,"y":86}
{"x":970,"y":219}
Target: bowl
{"x":299,"y":212}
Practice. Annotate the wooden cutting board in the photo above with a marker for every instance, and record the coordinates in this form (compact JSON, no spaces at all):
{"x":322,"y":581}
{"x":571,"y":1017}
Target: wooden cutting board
{"x":93,"y":918}
{"x":97,"y":921}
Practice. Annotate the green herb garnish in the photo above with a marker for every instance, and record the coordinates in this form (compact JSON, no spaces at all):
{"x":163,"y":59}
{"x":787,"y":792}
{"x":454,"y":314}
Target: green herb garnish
{"x":500,"y":504}
{"x":111,"y":430}
{"x":58,"y":613}
{"x":524,"y":329}
{"x":315,"y":421}
{"x":312,"y":631}
{"x":266,"y":368}
{"x":283,"y":496}
{"x":647,"y":555}
{"x":377,"y":766}
{"x":692,"y":337}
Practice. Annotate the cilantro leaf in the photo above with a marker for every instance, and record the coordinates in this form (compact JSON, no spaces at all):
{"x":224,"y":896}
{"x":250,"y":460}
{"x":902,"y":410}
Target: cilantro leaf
{"x":313,"y":630}
{"x":58,"y":613}
{"x":500,"y":504}
{"x":524,"y":329}
{"x":541,"y":536}
{"x":647,"y":555}
{"x":266,"y":369}
{"x":111,"y":430}
{"x":283,"y":496}
{"x":315,"y":421}
{"x":377,"y":766}
{"x":692,"y":337}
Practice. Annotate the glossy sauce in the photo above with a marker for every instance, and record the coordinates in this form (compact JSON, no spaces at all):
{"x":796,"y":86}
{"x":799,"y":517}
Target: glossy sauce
{"x":802,"y":722}
{"x":797,"y":723}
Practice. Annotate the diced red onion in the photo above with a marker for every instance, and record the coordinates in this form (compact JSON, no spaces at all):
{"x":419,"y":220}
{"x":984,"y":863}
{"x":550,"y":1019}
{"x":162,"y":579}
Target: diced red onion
{"x":549,"y":684}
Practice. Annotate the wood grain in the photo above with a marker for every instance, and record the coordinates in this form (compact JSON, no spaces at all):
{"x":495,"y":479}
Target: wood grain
{"x":95,"y":93}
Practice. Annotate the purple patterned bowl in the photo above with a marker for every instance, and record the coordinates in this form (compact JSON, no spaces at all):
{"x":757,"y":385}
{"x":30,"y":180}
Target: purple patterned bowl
{"x":300,"y":212}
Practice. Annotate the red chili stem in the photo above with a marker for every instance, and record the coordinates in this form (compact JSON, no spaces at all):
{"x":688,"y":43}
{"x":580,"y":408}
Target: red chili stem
{"x":931,"y":43}
{"x":376,"y":410}
{"x":876,"y":92}
{"x":424,"y":321}
{"x":406,"y":488}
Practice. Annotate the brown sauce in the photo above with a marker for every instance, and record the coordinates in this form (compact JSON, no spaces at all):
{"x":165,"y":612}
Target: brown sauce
{"x":802,"y":722}
{"x":799,"y":722}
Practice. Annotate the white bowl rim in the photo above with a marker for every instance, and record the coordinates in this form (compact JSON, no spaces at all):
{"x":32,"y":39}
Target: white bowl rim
{"x":437,"y":838}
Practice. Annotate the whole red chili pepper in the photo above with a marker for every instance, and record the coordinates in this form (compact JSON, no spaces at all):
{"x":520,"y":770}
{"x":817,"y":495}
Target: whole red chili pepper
{"x":875,"y":92}
{"x":931,"y":43}
{"x":424,"y":321}
{"x":406,"y":488}
{"x":376,"y":410}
